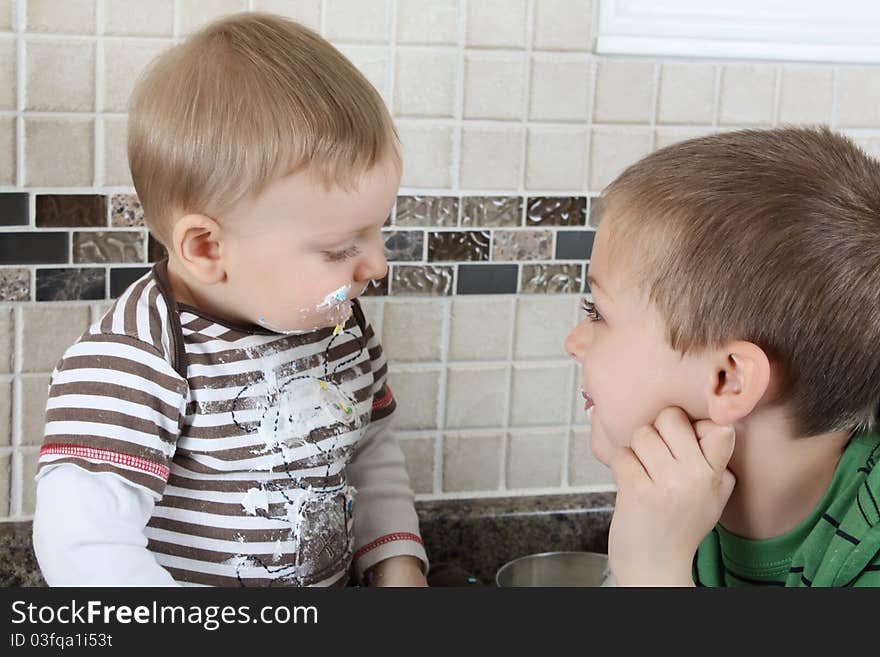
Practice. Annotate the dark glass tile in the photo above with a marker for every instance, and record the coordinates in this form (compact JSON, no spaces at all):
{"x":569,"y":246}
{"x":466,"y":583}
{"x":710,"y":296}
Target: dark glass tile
{"x":14,"y":209}
{"x":377,"y":288}
{"x":15,"y":285}
{"x":33,"y":248}
{"x":430,"y":280}
{"x":122,"y":277}
{"x":126,"y":211}
{"x":552,"y":279}
{"x":70,"y":284}
{"x":155,"y":250}
{"x":522,"y":244}
{"x":491,"y":211}
{"x":108,"y":246}
{"x":458,"y":246}
{"x":574,"y":244}
{"x":426,"y":211}
{"x":404,"y":245}
{"x":557,"y":211}
{"x":487,"y":279}
{"x":71,"y":210}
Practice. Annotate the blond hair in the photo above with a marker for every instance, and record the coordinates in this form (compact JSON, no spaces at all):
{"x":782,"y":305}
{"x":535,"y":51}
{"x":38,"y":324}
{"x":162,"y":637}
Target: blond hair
{"x":769,"y":236}
{"x":247,"y":99}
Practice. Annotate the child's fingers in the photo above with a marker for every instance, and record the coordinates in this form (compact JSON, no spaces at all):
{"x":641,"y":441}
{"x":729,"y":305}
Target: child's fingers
{"x":651,"y":450}
{"x":626,"y":468}
{"x":717,"y":443}
{"x":675,"y":427}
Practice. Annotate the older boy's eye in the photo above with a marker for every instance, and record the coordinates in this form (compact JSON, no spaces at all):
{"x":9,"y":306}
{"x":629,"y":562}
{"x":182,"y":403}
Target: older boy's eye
{"x":337,"y":256}
{"x":592,"y":313}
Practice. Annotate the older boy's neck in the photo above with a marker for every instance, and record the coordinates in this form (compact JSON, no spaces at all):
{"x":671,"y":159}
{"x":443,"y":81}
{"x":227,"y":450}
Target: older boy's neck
{"x":780,"y":477}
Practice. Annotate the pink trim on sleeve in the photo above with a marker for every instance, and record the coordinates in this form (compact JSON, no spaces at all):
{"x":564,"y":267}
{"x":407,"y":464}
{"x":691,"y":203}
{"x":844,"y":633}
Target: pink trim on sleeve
{"x":388,"y":538}
{"x":95,"y":454}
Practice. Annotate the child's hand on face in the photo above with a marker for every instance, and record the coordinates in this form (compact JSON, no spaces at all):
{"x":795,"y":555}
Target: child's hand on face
{"x":672,"y":485}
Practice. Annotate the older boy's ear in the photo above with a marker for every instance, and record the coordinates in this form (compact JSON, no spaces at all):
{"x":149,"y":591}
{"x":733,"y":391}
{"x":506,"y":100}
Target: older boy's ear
{"x":196,"y":242}
{"x":740,"y":377}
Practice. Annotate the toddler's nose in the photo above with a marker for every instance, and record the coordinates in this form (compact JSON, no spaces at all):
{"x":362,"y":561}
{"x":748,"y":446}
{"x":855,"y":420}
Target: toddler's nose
{"x":373,"y":267}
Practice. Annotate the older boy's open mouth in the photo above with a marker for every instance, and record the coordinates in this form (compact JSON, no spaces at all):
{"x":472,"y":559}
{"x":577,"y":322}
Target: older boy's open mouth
{"x":589,"y":403}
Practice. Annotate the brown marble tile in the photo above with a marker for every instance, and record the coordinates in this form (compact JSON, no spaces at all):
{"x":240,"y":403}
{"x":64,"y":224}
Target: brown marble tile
{"x":70,"y":284}
{"x":522,"y":245}
{"x":551,"y":279}
{"x":427,"y":211}
{"x":155,"y":250}
{"x":126,"y":211}
{"x":458,"y":246}
{"x":556,"y":211}
{"x":15,"y":285}
{"x":404,"y":245}
{"x":71,"y":210}
{"x":491,"y":211}
{"x":421,"y":280}
{"x":108,"y":246}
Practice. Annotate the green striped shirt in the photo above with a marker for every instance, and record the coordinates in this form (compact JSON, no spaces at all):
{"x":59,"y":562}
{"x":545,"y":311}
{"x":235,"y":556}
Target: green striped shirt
{"x":838,"y":544}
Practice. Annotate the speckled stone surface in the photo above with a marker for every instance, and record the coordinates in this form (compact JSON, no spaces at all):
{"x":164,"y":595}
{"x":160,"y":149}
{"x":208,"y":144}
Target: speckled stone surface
{"x":477,"y":535}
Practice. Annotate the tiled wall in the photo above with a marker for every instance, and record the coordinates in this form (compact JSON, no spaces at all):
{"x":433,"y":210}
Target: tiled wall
{"x":510,"y":125}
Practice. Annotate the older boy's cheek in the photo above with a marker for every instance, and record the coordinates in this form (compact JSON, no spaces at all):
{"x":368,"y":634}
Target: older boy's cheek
{"x":601,"y":447}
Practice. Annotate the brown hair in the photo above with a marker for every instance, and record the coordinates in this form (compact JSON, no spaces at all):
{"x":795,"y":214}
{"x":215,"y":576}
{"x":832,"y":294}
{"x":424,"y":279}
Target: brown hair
{"x":247,"y":99}
{"x":770,"y":236}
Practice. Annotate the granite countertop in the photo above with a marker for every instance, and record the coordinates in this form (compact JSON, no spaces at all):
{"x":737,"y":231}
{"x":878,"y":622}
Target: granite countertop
{"x":474,"y":535}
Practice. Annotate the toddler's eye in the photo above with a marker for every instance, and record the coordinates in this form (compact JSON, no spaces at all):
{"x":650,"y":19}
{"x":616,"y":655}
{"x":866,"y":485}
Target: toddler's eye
{"x":337,"y":256}
{"x":592,"y":313}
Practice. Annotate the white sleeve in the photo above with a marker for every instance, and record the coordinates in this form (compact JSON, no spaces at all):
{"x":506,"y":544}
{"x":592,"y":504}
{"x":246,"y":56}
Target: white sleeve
{"x":89,"y":531}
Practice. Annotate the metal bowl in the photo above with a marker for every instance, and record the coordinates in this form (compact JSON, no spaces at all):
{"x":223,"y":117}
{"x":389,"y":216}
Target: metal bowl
{"x":555,"y":569}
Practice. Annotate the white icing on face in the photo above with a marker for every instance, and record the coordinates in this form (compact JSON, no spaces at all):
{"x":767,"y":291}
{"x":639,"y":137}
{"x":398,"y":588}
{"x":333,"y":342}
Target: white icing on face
{"x":334,"y":310}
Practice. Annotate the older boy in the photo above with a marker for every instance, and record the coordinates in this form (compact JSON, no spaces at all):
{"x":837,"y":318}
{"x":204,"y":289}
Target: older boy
{"x":226,"y":422}
{"x":730,"y":358}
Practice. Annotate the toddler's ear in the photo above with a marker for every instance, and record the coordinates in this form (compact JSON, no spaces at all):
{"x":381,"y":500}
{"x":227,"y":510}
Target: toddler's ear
{"x":196,"y":242}
{"x":739,"y":378}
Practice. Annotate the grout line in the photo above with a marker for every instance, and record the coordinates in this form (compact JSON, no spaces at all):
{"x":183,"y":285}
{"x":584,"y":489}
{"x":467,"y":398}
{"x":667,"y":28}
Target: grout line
{"x":20,"y":82}
{"x":458,"y":109}
{"x":777,"y":95}
{"x":655,"y":101}
{"x":835,"y":87}
{"x":445,"y":337}
{"x":716,"y":110}
{"x":15,"y":483}
{"x":391,"y":74}
{"x":528,"y":66}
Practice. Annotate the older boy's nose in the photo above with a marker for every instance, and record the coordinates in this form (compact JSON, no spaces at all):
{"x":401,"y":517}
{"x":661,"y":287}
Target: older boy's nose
{"x":575,"y":343}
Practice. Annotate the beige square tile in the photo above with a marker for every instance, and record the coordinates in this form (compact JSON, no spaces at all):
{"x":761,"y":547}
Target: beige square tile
{"x":7,"y":150}
{"x":60,"y":75}
{"x":491,"y":158}
{"x":858,"y":88}
{"x":305,"y":12}
{"x":372,"y":62}
{"x":7,"y":339}
{"x":666,"y":136}
{"x":494,"y":86}
{"x":614,"y":149}
{"x":6,"y":14}
{"x":871,"y":145}
{"x":560,"y":88}
{"x":425,"y":83}
{"x":427,"y":154}
{"x":70,"y":16}
{"x":556,"y":159}
{"x":540,"y":395}
{"x":564,"y":25}
{"x":59,"y":152}
{"x":116,"y":171}
{"x":747,"y":93}
{"x":496,"y":24}
{"x":479,"y":328}
{"x":419,"y":455}
{"x":139,"y":17}
{"x":34,"y":394}
{"x":47,"y":333}
{"x":29,"y":459}
{"x":686,"y":94}
{"x":434,"y":22}
{"x":124,"y":61}
{"x":8,"y":79}
{"x":470,"y":462}
{"x":412,"y":330}
{"x":194,"y":14}
{"x":624,"y":92}
{"x":534,"y":459}
{"x":583,"y":468}
{"x":542,"y":324}
{"x":805,"y":94}
{"x":357,"y":21}
{"x":416,"y":394}
{"x":5,"y":483}
{"x":475,"y":396}
{"x":5,"y":413}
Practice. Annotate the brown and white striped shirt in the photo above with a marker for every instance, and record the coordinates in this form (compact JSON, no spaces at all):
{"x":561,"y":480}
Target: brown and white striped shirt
{"x":270,"y":456}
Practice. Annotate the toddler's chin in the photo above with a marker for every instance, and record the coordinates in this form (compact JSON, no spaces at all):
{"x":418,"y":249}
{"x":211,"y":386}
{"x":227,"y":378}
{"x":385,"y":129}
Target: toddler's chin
{"x":600,"y":445}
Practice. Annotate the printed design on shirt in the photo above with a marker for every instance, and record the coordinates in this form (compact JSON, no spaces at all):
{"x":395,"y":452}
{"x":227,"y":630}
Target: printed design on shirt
{"x":311,"y":421}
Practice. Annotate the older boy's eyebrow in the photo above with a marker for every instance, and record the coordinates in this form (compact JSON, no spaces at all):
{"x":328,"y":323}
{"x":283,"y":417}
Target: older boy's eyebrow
{"x":595,"y":284}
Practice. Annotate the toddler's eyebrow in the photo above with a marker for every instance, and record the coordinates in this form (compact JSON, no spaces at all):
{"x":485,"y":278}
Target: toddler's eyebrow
{"x":595,"y":284}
